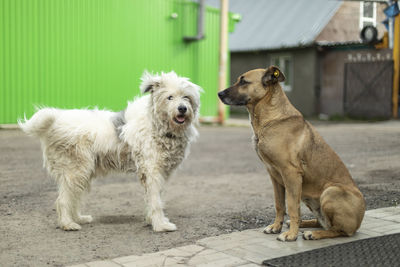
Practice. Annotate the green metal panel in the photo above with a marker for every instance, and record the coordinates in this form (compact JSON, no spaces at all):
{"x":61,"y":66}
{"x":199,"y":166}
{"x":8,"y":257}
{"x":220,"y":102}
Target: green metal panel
{"x":85,"y":53}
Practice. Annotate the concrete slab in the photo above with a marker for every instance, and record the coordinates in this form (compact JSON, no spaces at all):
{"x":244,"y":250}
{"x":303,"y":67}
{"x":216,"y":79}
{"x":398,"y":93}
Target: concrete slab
{"x":250,"y":247}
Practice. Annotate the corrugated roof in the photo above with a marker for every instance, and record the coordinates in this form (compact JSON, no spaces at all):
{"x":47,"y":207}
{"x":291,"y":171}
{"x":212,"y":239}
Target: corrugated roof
{"x":274,"y":24}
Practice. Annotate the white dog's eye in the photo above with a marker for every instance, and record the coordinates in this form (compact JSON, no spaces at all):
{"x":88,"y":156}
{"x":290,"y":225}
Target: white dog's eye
{"x":170,"y":97}
{"x":186,"y":97}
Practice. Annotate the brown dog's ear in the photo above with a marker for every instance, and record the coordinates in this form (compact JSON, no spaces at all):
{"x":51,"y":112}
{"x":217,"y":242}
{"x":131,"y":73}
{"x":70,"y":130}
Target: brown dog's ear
{"x":272,"y":75}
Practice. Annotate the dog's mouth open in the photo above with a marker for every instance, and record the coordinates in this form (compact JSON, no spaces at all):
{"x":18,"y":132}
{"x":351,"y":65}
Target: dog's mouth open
{"x":180,"y":119}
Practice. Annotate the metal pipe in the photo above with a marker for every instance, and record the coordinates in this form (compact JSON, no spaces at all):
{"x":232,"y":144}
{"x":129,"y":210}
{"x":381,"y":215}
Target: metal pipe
{"x":200,"y":23}
{"x":396,"y":66}
{"x":223,"y":57}
{"x":390,"y":31}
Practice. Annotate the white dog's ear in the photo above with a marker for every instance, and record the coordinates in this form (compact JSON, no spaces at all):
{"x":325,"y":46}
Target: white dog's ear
{"x":197,"y":89}
{"x":149,"y":82}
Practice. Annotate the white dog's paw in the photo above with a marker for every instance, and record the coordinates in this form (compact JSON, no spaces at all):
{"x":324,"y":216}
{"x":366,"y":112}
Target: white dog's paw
{"x":307,"y":235}
{"x":148,"y":220}
{"x":287,"y":236}
{"x":287,"y":223}
{"x":70,"y":226}
{"x":164,"y":227}
{"x":84,"y":219}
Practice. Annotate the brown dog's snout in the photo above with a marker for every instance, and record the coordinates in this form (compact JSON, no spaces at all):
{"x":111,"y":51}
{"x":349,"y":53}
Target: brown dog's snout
{"x":230,"y":96}
{"x":222,"y":94}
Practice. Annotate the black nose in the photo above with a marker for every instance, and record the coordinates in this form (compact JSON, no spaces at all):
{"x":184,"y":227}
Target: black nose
{"x":221,"y":94}
{"x":182,"y":109}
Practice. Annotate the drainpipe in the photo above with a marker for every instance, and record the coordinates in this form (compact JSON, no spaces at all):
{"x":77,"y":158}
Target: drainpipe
{"x":396,"y":66}
{"x":200,"y":23}
{"x":223,"y":53}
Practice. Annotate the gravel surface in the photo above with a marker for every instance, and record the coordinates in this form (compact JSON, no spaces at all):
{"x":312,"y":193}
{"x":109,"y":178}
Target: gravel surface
{"x":222,"y":187}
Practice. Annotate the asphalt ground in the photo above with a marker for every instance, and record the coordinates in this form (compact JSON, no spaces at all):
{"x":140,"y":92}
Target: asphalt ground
{"x":221,"y":187}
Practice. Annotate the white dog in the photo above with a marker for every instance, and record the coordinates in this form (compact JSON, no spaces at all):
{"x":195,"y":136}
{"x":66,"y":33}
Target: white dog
{"x":150,"y":137}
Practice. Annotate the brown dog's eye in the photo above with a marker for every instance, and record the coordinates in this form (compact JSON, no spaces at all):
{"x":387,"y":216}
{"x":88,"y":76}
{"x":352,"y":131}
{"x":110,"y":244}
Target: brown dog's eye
{"x":242,"y":81}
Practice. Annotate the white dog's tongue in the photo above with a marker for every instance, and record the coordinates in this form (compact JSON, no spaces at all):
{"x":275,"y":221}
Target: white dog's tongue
{"x":180,"y":119}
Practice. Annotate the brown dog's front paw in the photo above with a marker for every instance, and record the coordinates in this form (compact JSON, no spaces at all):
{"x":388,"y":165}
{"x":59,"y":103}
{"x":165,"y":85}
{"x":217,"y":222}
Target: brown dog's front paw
{"x":307,"y":235}
{"x":287,"y":236}
{"x":273,"y":229}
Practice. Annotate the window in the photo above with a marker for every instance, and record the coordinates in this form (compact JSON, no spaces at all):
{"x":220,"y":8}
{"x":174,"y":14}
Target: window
{"x":367,"y":14}
{"x":285,"y":63}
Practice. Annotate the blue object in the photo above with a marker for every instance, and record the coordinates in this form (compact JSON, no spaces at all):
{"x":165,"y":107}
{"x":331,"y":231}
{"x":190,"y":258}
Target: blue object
{"x":392,"y":10}
{"x":386,"y":23}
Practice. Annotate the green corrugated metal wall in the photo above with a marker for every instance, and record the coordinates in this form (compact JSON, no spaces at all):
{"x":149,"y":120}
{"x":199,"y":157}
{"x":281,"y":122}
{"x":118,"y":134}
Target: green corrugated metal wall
{"x":85,"y":53}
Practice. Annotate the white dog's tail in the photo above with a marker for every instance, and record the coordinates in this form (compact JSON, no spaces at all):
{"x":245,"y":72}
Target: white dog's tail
{"x":39,"y":123}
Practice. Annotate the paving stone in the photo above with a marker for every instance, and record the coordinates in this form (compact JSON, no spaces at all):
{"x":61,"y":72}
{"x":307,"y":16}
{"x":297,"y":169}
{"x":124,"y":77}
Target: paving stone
{"x":177,"y":253}
{"x":225,"y":245}
{"x":356,"y":236}
{"x":102,"y":264}
{"x":78,"y":265}
{"x":369,"y":232}
{"x":388,"y":228}
{"x":147,"y":261}
{"x":249,"y":265}
{"x":201,"y":259}
{"x":231,"y":261}
{"x":268,"y":251}
{"x":395,"y":218}
{"x":254,"y":232}
{"x":240,"y":248}
{"x":217,"y":243}
{"x":370,"y":220}
{"x":394,"y":209}
{"x":206,"y":252}
{"x":257,"y":240}
{"x":191,"y":248}
{"x":247,"y":255}
{"x":393,"y":232}
{"x":376,"y":224}
{"x":380,"y":214}
{"x":126,"y":259}
{"x":172,"y":261}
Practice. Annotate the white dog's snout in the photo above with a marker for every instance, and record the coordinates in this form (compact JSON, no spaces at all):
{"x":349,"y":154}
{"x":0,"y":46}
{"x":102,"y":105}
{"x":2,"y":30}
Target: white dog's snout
{"x":182,"y":108}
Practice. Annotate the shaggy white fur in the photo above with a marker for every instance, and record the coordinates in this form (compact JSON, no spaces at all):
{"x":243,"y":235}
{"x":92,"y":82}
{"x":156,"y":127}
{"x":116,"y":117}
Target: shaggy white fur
{"x":151,"y":138}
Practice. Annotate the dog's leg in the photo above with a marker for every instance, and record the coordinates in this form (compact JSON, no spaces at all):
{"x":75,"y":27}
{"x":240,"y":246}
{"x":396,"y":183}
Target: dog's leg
{"x":279,"y":194}
{"x":341,"y":220}
{"x":79,"y":218}
{"x":155,"y":215}
{"x":293,"y":186}
{"x":66,"y":206}
{"x":313,"y":223}
{"x":320,"y":234}
{"x":71,"y":189}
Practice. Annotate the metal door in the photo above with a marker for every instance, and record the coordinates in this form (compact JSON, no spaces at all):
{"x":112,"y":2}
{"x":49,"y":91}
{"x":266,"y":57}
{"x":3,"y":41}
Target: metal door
{"x":368,"y":89}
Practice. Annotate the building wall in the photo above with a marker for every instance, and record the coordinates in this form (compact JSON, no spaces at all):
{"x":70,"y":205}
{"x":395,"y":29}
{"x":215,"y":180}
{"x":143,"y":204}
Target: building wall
{"x":74,"y":54}
{"x":331,"y":62}
{"x":304,"y":85}
{"x":345,"y":24}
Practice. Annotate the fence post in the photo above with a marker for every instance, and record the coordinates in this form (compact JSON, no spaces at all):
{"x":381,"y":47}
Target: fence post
{"x":223,"y":54}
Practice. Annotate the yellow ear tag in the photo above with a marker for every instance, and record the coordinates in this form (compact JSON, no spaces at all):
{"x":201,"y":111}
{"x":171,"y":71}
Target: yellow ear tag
{"x":276,"y":73}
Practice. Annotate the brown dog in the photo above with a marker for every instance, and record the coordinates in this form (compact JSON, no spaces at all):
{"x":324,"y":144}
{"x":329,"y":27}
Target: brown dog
{"x":301,"y":165}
